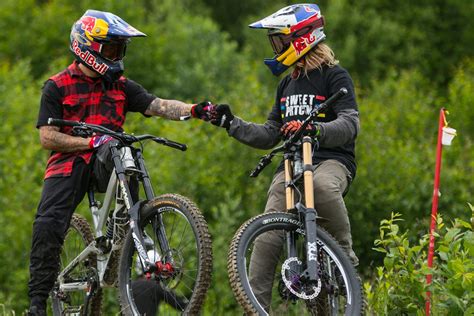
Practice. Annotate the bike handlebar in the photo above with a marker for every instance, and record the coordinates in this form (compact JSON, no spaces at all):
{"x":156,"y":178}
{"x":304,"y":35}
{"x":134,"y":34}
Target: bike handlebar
{"x":264,"y":161}
{"x":122,"y":136}
{"x":267,"y":159}
{"x":59,"y":122}
{"x":170,"y":143}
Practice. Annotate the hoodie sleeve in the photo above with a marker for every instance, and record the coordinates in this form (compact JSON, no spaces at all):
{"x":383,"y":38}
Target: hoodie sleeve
{"x":345,"y":127}
{"x":261,"y":136}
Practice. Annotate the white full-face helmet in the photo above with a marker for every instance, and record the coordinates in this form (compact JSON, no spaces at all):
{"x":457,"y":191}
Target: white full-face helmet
{"x":293,"y":31}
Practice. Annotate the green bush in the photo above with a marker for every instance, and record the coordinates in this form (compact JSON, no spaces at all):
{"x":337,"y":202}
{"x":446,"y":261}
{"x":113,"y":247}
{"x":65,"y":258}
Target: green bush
{"x":186,"y":56}
{"x":396,"y":151}
{"x":399,"y":286}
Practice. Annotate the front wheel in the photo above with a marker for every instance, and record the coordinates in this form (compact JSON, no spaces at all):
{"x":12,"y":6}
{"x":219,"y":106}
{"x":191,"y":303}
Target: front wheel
{"x":266,"y":280}
{"x":181,"y":287}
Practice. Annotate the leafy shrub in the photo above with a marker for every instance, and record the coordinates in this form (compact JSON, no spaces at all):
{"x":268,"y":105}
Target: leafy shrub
{"x":396,"y":151}
{"x":399,"y":286}
{"x":187,"y":57}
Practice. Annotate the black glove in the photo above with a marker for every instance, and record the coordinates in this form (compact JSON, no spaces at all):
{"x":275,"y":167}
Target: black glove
{"x":289,"y":128}
{"x":222,"y":116}
{"x":202,"y":110}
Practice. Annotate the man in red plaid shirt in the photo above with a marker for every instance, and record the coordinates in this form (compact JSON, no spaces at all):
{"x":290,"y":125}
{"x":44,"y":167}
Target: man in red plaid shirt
{"x":92,"y":90}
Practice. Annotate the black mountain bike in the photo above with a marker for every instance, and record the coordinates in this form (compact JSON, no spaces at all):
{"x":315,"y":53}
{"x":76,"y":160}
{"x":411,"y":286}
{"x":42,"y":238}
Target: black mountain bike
{"x":313,"y":274}
{"x":163,"y":241}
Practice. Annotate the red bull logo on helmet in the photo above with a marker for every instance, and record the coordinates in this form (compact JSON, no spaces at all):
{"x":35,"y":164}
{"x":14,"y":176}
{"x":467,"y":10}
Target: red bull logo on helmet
{"x":300,"y":44}
{"x":89,"y":59}
{"x":94,"y":28}
{"x":88,"y":23}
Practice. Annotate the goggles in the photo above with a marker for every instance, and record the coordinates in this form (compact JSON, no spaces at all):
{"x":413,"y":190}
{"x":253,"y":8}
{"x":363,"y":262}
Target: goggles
{"x":114,"y":50}
{"x":280,"y":42}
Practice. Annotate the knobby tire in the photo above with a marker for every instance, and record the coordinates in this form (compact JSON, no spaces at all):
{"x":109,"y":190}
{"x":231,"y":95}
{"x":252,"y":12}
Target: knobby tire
{"x":190,"y":244}
{"x":288,"y":304}
{"x":81,"y":227}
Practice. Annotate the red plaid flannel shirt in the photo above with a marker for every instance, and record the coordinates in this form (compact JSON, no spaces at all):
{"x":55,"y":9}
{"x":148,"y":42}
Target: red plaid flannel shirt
{"x":89,"y":100}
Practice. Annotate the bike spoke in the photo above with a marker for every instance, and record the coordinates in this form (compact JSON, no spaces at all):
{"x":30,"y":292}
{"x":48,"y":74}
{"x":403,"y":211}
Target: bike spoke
{"x":266,"y":279}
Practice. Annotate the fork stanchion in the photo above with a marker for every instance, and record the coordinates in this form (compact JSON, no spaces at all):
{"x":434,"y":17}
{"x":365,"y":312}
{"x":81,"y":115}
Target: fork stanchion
{"x":290,"y":194}
{"x":308,"y":172}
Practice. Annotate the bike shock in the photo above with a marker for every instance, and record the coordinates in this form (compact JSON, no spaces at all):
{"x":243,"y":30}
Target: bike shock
{"x":120,"y":225}
{"x":109,"y":234}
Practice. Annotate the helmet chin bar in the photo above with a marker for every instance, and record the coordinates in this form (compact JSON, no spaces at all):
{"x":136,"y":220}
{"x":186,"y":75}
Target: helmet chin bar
{"x":113,"y":73}
{"x":275,"y":66}
{"x":110,"y":70}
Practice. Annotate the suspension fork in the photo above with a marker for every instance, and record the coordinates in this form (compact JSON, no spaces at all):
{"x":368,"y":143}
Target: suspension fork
{"x":132,"y":209}
{"x":309,"y":213}
{"x":148,"y":188}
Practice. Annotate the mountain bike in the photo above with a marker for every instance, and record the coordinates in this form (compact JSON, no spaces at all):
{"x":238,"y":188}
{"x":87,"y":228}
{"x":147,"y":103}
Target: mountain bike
{"x":162,"y":240}
{"x":313,"y":274}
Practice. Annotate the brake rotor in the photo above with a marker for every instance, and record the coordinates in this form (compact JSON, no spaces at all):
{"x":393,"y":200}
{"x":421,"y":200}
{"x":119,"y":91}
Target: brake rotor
{"x":295,"y":284}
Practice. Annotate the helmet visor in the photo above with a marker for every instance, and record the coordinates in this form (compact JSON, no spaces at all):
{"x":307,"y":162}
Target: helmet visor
{"x":114,"y":51}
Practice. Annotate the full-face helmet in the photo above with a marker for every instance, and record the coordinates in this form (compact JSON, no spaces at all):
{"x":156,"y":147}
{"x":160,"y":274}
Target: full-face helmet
{"x":99,"y":41}
{"x":293,"y":31}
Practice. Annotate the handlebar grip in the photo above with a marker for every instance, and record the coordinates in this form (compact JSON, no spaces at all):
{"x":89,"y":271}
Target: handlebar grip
{"x":170,"y":143}
{"x":179,"y":146}
{"x":59,"y":122}
{"x":265,"y":161}
{"x":255,"y":172}
{"x":336,"y":96}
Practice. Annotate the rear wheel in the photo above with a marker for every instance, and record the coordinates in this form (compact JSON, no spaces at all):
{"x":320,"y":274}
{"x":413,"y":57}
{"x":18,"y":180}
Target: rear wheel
{"x":182,"y":283}
{"x":276,"y":284}
{"x":63,"y":302}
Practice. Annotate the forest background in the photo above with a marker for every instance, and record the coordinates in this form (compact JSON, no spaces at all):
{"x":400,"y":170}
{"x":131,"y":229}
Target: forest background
{"x":408,"y":59}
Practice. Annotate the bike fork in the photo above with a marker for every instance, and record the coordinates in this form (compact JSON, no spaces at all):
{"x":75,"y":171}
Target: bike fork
{"x":133,"y":210}
{"x":137,"y":234}
{"x":159,"y":231}
{"x":310,"y":212}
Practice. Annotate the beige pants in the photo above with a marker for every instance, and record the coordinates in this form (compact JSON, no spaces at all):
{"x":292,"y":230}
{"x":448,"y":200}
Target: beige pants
{"x":331,"y":180}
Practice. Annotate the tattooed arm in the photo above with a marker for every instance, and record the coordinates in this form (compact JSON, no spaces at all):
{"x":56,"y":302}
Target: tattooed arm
{"x":169,"y":109}
{"x":52,"y":139}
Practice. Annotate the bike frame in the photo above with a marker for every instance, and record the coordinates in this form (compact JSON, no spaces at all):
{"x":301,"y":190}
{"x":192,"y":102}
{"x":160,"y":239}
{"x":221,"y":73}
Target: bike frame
{"x":118,"y":193}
